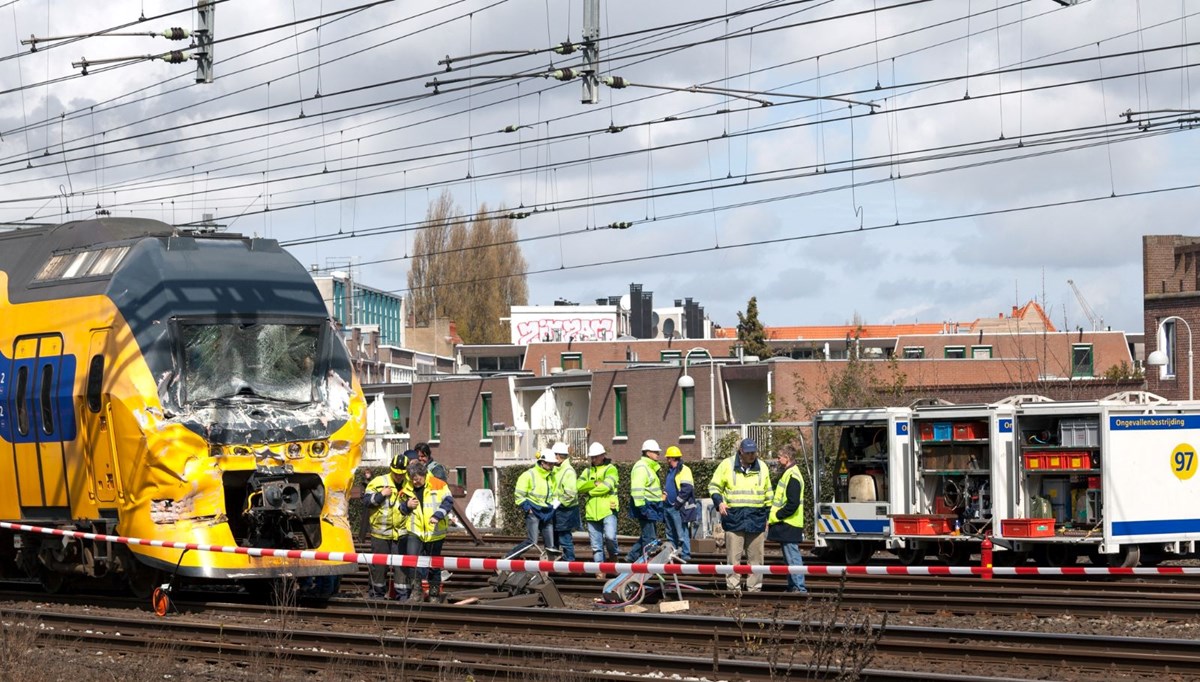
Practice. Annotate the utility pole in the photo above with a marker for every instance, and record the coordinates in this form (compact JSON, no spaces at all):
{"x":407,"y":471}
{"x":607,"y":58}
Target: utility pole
{"x":591,"y":52}
{"x":205,"y":26}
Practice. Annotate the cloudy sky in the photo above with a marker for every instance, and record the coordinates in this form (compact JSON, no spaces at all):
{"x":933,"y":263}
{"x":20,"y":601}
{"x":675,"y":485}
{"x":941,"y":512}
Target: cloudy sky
{"x":919,"y":161}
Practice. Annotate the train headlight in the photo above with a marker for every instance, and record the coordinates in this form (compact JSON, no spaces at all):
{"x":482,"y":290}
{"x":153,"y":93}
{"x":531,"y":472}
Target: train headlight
{"x":293,"y":451}
{"x":241,"y":451}
{"x":318,"y":449}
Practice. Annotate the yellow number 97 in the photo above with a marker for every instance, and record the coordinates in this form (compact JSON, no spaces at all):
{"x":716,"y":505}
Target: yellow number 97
{"x":1183,"y":461}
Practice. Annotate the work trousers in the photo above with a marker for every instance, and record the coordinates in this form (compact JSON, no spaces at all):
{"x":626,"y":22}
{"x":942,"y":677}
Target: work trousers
{"x":791,"y":554}
{"x":538,"y":530}
{"x":649,"y":535}
{"x":679,"y":533}
{"x":413,"y":576}
{"x":565,"y":542}
{"x":738,"y":543}
{"x":379,"y":574}
{"x":603,"y":537}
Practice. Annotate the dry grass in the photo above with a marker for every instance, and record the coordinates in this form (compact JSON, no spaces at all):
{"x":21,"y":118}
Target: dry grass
{"x":830,"y":641}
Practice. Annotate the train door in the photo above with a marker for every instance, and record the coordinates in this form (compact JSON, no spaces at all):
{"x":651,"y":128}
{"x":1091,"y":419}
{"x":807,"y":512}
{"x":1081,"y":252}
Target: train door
{"x":100,"y":437}
{"x":44,"y":421}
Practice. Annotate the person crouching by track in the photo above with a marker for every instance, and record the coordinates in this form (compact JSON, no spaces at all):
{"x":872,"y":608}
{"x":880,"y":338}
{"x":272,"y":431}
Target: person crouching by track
{"x":741,"y":491}
{"x":427,"y":504}
{"x":682,"y":510}
{"x":565,"y":501}
{"x":598,"y":484}
{"x":647,"y":496}
{"x":787,"y":516}
{"x":534,"y":492}
{"x":388,"y":528}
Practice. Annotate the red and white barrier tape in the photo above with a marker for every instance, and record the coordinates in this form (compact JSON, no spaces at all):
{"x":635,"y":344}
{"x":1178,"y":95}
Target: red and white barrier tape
{"x":479,"y":564}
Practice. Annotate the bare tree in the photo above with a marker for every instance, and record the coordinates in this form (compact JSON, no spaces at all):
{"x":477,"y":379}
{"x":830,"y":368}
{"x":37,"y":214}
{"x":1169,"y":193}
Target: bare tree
{"x":470,"y":271}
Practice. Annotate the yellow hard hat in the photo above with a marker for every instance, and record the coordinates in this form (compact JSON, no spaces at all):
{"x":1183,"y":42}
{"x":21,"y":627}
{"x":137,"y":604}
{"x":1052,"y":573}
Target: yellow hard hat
{"x":673,"y":451}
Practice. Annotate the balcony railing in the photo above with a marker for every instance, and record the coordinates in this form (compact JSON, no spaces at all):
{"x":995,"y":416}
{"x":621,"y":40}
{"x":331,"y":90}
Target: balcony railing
{"x":722,"y":440}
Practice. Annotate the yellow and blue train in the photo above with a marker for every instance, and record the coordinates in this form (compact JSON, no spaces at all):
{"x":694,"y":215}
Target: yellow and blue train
{"x":169,"y":385}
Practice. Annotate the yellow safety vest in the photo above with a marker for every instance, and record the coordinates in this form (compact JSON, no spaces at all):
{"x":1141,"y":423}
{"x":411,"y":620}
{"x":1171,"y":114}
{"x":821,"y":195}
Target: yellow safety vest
{"x":644,"y":486}
{"x":420,"y":520}
{"x":796,"y":519}
{"x":600,"y":485}
{"x":387,"y":522}
{"x":565,"y":482}
{"x":739,"y":489}
{"x":534,"y":485}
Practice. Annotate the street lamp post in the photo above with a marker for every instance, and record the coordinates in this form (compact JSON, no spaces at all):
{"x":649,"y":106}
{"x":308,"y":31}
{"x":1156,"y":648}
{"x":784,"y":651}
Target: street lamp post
{"x":1159,"y":357}
{"x":686,"y":381}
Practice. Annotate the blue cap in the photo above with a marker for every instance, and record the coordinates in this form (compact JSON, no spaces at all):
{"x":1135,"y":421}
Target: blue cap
{"x":748,"y":445}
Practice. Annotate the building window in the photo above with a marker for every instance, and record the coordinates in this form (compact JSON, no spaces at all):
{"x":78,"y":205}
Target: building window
{"x":914,"y":352}
{"x":461,"y":474}
{"x":1082,"y":360}
{"x":489,"y":475}
{"x":955,"y":352}
{"x":981,"y":352}
{"x":1168,"y":370}
{"x":435,"y":429}
{"x":619,"y":410}
{"x":689,"y":411}
{"x":486,"y":411}
{"x":571,"y":360}
{"x":672,"y":356}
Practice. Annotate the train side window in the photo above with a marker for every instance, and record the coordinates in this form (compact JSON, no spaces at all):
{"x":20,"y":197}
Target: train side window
{"x":22,"y":408}
{"x":95,"y":382}
{"x":47,"y":405}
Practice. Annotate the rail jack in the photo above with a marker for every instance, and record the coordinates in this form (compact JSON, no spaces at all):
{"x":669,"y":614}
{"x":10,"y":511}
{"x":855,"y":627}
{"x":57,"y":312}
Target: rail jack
{"x":516,"y":588}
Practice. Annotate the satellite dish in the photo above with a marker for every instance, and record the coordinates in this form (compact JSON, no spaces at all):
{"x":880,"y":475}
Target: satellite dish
{"x":624,"y":303}
{"x":668,"y":328}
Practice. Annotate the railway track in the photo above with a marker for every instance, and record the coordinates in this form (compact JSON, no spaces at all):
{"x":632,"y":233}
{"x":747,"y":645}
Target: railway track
{"x":1161,"y":598}
{"x":489,"y":641}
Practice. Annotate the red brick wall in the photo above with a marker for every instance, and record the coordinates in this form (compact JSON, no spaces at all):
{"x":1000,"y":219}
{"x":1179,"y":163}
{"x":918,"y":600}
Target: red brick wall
{"x":460,"y":411}
{"x":1169,"y":264}
{"x":654,"y":409}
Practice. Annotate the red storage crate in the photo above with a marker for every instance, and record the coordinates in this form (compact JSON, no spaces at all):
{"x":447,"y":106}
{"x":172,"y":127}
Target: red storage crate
{"x":1093,"y":482}
{"x":1076,"y":460}
{"x":1027,"y":528}
{"x":921,"y":524}
{"x":926,"y":430}
{"x":1044,"y":460}
{"x":970,"y":431}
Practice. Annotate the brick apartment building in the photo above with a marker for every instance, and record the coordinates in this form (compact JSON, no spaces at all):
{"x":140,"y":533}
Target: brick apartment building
{"x":1171,"y":287}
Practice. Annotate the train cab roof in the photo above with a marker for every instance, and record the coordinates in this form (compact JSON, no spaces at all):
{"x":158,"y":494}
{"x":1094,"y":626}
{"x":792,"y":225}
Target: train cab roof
{"x":145,"y":264}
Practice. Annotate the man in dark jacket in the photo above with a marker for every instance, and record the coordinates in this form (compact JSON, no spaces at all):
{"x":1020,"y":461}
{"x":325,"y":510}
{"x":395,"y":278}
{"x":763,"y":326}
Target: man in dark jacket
{"x":425,"y":454}
{"x":787,"y":516}
{"x":741,"y":492}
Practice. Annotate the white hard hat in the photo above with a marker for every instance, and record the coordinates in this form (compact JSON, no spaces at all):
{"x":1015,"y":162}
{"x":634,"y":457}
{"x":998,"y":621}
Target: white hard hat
{"x":651,"y":445}
{"x":547,"y":456}
{"x":560,"y":448}
{"x":596,"y":450}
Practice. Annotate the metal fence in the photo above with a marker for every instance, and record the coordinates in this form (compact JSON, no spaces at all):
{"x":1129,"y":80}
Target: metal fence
{"x":514,"y":446}
{"x":722,"y":440}
{"x":380,"y":449}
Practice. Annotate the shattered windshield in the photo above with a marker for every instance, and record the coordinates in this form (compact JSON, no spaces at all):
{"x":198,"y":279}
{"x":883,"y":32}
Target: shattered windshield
{"x":247,"y":361}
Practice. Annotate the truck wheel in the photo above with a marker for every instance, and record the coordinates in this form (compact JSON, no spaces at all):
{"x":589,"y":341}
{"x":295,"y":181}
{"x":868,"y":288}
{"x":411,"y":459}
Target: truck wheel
{"x":1128,"y":557}
{"x":911,"y":556}
{"x":859,"y":552}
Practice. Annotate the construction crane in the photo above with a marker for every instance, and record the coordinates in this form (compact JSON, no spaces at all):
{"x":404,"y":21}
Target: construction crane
{"x":1096,"y":320}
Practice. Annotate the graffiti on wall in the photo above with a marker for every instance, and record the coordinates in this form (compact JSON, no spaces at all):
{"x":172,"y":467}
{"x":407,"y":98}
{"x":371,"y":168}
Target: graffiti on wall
{"x":565,"y":329}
